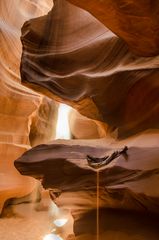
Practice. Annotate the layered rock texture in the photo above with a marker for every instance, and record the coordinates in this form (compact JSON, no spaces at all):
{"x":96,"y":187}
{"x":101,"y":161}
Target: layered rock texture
{"x":106,"y":67}
{"x":123,"y":183}
{"x":133,"y":21}
{"x":26,"y":118}
{"x":101,"y":58}
{"x":72,"y":57}
{"x":129,"y":182}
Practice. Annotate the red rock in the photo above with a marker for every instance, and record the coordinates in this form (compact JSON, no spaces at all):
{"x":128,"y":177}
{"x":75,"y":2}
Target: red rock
{"x":136,"y":22}
{"x":26,"y":118}
{"x":85,"y":65}
{"x":127,"y":183}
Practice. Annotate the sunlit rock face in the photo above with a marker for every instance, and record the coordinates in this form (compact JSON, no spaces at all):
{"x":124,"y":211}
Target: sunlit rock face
{"x":106,"y":67}
{"x":82,"y":127}
{"x":26,"y":118}
{"x":72,"y":57}
{"x":13,"y":15}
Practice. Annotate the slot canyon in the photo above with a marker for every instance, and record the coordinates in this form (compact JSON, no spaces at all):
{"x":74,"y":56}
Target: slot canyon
{"x":79,"y":120}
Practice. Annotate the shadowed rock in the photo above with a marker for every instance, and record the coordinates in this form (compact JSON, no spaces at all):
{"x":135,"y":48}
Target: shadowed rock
{"x":136,"y":22}
{"x":127,"y":183}
{"x":122,"y":184}
{"x":73,"y":58}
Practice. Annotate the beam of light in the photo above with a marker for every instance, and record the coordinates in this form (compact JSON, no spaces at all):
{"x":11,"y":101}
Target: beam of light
{"x":60,"y":222}
{"x":54,"y":210}
{"x":62,"y":128}
{"x":52,"y":236}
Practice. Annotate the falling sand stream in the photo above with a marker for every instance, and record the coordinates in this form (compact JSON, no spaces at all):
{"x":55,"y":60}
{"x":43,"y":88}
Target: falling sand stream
{"x":97,"y":205}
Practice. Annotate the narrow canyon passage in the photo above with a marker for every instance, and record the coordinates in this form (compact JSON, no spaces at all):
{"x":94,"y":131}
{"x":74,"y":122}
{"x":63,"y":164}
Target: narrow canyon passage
{"x":79,"y":120}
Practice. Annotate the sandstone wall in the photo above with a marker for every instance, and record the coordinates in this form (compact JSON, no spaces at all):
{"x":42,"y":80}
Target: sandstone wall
{"x":26,"y":118}
{"x":75,"y":59}
{"x":82,"y":127}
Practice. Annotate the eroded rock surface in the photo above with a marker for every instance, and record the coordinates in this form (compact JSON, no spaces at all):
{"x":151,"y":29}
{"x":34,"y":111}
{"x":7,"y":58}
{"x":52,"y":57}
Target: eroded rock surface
{"x":128,"y":182}
{"x":134,"y":21}
{"x":72,"y":57}
{"x":82,"y":127}
{"x":26,"y":118}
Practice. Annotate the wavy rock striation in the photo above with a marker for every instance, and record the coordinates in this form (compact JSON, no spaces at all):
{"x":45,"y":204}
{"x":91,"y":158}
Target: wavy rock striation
{"x":26,"y":118}
{"x":70,"y":56}
{"x":129,"y":182}
{"x":136,"y":22}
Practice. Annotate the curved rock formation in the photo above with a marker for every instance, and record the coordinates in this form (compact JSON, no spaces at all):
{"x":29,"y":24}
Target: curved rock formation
{"x":70,"y":56}
{"x":82,"y":127}
{"x":26,"y":118}
{"x":136,"y":22}
{"x":128,"y":182}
